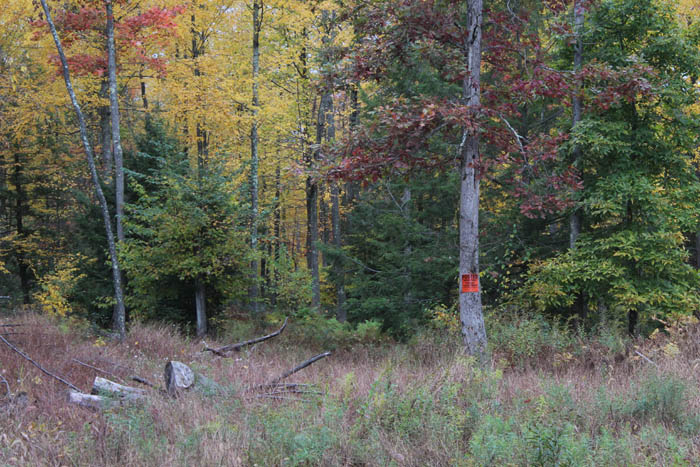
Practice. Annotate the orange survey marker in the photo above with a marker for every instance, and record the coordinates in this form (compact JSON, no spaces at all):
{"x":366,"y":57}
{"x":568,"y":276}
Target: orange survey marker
{"x":470,"y":283}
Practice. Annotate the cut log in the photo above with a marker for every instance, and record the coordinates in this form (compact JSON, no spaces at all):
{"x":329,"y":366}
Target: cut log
{"x":102,"y":386}
{"x":178,"y":377}
{"x":88,"y":400}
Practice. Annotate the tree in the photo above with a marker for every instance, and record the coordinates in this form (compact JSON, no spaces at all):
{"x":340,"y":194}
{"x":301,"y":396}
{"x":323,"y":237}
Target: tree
{"x":640,"y":193}
{"x":186,"y":230}
{"x":116,"y":272}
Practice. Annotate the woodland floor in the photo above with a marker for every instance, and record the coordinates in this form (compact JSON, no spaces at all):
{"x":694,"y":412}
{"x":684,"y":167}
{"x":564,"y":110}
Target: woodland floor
{"x":378,"y":403}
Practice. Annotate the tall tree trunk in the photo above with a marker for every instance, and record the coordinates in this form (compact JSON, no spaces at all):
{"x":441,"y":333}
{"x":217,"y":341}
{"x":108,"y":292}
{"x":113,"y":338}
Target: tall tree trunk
{"x":312,"y":195}
{"x":470,"y":311}
{"x":575,"y":220}
{"x":324,"y":231}
{"x":254,"y":160}
{"x":144,"y":98}
{"x":25,"y":272}
{"x":200,"y":298}
{"x":341,"y":312}
{"x":114,"y":112}
{"x":312,"y":240}
{"x":277,"y":226}
{"x":106,"y":134}
{"x":202,"y":137}
{"x":119,"y":323}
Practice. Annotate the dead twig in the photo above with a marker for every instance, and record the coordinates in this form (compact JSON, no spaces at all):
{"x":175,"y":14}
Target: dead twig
{"x":143,"y":381}
{"x":289,"y":373}
{"x":646,"y":358}
{"x":281,"y":398}
{"x":222,"y":351}
{"x":8,"y":392}
{"x":294,"y":391}
{"x":10,"y":325}
{"x":100,"y":370}
{"x":45,"y":371}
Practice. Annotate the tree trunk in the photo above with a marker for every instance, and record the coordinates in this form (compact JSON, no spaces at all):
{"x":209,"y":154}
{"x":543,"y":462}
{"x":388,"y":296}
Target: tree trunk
{"x":114,"y":112}
{"x":106,"y":135}
{"x":341,"y":313}
{"x":144,"y":98}
{"x":312,"y":204}
{"x":312,"y":240}
{"x":119,"y":324}
{"x":254,"y":160}
{"x":575,"y":220}
{"x":470,"y":311}
{"x":117,"y":317}
{"x":200,"y":299}
{"x":25,"y":272}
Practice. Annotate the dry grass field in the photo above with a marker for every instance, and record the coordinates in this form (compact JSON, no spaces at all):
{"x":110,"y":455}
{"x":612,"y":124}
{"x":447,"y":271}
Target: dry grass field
{"x":592,"y":401}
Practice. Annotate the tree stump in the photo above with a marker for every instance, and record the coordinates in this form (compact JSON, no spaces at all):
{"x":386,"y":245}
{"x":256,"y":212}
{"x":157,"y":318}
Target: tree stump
{"x":178,"y":377}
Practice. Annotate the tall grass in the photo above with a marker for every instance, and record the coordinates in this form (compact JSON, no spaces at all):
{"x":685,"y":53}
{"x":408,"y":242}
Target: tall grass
{"x":415,"y":404}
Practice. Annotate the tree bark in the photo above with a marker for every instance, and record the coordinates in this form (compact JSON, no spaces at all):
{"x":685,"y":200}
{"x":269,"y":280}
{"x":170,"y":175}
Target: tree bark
{"x":312,"y":193}
{"x":114,"y":112}
{"x":575,"y":220}
{"x":24,"y":271}
{"x":470,"y":310}
{"x":254,"y":161}
{"x":200,"y":298}
{"x":106,"y":134}
{"x":119,"y":324}
{"x":117,"y":317}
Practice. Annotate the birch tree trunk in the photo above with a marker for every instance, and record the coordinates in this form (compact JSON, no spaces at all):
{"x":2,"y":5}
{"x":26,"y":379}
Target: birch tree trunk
{"x":119,"y":313}
{"x":575,"y":220}
{"x":470,"y":311}
{"x":105,"y":134}
{"x":114,"y":112}
{"x":119,"y":324}
{"x":254,"y":160}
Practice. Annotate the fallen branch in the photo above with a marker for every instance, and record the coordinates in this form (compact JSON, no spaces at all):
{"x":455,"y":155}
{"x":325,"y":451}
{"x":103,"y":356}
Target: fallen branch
{"x":7,"y":386}
{"x":56,"y":377}
{"x":293,"y":391}
{"x":646,"y":358}
{"x":100,"y":370}
{"x":281,"y":398}
{"x":222,"y":351}
{"x":10,"y":325}
{"x":297,"y":368}
{"x":143,"y":381}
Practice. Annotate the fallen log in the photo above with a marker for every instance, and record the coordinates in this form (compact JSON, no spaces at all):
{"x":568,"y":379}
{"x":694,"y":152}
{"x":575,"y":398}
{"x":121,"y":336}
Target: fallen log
{"x":105,"y":386}
{"x":222,"y":351}
{"x":88,"y":400}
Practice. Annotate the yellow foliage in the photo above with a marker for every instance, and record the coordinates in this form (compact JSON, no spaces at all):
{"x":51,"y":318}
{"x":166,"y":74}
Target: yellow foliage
{"x":56,"y":287}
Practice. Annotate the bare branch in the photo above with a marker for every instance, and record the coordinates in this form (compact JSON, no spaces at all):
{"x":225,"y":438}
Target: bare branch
{"x":7,"y":386}
{"x":297,"y":368}
{"x":222,"y":351}
{"x":24,"y":355}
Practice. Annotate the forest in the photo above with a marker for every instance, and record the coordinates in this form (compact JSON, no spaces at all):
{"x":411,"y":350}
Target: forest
{"x":482,"y":218}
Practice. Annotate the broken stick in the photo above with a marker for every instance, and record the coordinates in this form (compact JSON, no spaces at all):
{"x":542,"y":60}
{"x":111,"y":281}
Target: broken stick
{"x":56,"y":377}
{"x":222,"y":351}
{"x":297,"y":368}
